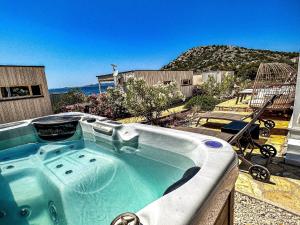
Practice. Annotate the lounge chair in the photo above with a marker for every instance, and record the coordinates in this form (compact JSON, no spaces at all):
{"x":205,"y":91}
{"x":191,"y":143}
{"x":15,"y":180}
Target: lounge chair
{"x":243,"y":140}
{"x":264,"y":131}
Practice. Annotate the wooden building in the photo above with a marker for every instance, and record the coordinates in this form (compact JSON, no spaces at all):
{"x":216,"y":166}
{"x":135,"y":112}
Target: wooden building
{"x":183,"y":79}
{"x":23,"y":93}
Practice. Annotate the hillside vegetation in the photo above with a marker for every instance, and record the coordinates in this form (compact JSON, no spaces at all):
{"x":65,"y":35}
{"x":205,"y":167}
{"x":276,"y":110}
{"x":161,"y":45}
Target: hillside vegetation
{"x":243,"y":61}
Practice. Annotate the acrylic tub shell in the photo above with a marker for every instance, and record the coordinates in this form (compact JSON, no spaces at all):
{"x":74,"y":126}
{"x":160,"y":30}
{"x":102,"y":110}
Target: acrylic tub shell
{"x":200,"y":200}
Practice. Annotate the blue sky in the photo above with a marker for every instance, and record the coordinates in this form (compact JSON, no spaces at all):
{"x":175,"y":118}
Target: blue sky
{"x":77,"y":40}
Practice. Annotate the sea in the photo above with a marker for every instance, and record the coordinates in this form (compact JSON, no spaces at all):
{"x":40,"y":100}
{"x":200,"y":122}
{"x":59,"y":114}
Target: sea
{"x":87,"y":90}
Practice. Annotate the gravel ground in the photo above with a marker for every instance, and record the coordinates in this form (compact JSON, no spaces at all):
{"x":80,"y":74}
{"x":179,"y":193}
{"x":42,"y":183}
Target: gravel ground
{"x":248,"y":210}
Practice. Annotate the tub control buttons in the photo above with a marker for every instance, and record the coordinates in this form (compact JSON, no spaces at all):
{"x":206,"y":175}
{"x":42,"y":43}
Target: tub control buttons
{"x":25,"y":212}
{"x":213,"y":144}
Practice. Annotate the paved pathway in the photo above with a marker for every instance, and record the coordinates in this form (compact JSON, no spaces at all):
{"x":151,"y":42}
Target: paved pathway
{"x":248,"y":210}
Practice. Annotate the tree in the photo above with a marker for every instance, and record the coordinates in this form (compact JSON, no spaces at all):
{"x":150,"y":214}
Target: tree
{"x":116,"y":101}
{"x":150,"y":101}
{"x":212,"y":87}
{"x":248,"y":71}
{"x":226,"y":87}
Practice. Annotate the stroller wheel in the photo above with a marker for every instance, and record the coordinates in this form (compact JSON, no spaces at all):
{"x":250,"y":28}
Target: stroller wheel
{"x":268,"y":151}
{"x":269,"y":124}
{"x":264,"y":132}
{"x":260,"y":173}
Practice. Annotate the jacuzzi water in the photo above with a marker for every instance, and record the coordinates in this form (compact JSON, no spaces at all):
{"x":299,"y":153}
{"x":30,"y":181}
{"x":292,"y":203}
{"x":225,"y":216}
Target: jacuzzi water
{"x":81,"y":182}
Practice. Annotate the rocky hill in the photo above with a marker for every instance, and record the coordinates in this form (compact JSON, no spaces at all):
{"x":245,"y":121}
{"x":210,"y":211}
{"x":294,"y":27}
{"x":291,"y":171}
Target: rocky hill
{"x":243,"y":61}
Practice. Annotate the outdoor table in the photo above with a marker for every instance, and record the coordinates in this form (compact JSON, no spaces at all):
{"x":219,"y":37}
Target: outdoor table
{"x":242,"y":94}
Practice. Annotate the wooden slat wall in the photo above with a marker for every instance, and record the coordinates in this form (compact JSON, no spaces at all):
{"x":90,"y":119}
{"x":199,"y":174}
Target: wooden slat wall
{"x":153,"y":77}
{"x":14,"y":110}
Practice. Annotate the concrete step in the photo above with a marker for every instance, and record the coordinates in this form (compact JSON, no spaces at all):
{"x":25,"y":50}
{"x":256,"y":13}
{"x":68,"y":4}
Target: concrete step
{"x":293,"y":152}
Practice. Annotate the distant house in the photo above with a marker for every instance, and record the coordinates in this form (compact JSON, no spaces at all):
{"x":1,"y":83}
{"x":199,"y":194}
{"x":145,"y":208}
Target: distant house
{"x":23,"y":93}
{"x":295,"y":59}
{"x":200,"y":78}
{"x":184,"y":79}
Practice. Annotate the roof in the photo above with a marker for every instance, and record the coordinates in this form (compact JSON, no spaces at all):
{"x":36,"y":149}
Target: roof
{"x":129,"y":71}
{"x":213,"y":71}
{"x":21,"y":66}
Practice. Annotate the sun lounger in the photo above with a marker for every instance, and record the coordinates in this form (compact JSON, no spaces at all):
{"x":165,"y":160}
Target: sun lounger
{"x":264,"y":131}
{"x":243,"y":140}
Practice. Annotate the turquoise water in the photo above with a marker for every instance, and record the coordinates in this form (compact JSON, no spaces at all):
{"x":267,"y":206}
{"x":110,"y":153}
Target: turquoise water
{"x":82,"y":183}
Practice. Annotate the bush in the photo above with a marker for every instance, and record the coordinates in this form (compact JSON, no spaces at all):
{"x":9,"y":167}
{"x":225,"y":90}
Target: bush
{"x":116,"y":101}
{"x":72,"y":97}
{"x":99,"y":106}
{"x":110,"y":104}
{"x":72,"y":108}
{"x":198,"y":90}
{"x":203,"y":103}
{"x":149,"y":101}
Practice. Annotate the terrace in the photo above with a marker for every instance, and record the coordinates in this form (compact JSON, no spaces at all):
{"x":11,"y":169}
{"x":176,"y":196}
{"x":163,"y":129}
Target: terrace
{"x":277,"y":200}
{"x":285,"y":179}
{"x":274,"y":202}
{"x":270,"y":198}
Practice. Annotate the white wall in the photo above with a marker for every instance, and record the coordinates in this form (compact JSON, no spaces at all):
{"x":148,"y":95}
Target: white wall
{"x":199,"y":79}
{"x":293,"y":148}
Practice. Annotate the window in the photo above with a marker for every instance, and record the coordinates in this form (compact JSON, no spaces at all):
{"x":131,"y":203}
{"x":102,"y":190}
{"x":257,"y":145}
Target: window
{"x":167,"y":82}
{"x":20,"y":92}
{"x":15,"y":91}
{"x":36,"y":90}
{"x":186,"y":82}
{"x":4,"y":92}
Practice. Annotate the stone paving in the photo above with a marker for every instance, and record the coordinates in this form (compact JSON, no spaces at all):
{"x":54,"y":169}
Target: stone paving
{"x":284,"y":187}
{"x":248,"y":210}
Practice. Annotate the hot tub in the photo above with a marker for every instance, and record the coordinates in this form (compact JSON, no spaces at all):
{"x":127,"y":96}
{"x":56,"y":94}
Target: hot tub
{"x":79,"y":169}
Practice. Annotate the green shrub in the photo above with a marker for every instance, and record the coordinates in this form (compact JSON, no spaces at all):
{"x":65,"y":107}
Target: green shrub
{"x":198,"y":90}
{"x":116,"y":101}
{"x":72,"y":97}
{"x":221,"y":91}
{"x":150,"y":101}
{"x":202,"y":102}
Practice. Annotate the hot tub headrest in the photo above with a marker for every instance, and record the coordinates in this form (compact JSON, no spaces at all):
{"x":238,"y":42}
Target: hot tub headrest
{"x":55,"y":120}
{"x":55,"y":128}
{"x":189,"y":174}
